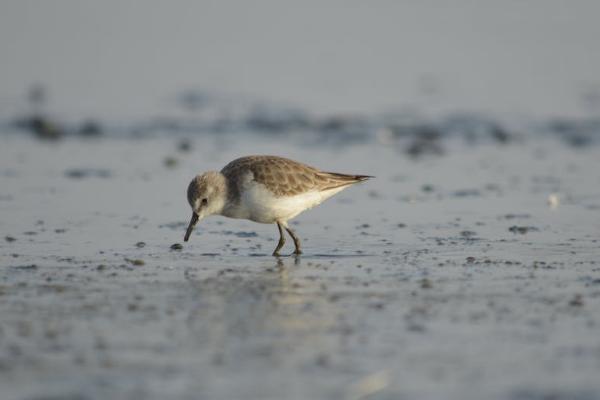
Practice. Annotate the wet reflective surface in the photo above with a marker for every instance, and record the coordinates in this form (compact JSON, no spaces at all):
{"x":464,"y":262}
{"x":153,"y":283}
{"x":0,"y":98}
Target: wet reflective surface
{"x":465,"y":275}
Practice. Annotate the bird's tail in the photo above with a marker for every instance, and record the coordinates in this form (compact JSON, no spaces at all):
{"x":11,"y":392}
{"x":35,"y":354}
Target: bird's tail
{"x":347,"y":177}
{"x":337,"y":180}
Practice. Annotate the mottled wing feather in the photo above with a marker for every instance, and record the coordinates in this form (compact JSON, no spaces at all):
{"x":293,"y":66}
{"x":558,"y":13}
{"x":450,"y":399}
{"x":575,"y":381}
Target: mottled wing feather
{"x":334,"y":179}
{"x":285,"y":177}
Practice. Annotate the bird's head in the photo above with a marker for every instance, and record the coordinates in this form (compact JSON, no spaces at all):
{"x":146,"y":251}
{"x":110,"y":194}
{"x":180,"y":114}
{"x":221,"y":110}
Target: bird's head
{"x":206,"y":195}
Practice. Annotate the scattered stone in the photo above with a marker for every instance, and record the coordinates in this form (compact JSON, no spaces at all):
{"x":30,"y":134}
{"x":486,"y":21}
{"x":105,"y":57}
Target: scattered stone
{"x":553,"y":201}
{"x":499,"y":133}
{"x":466,"y":193}
{"x":522,"y":229}
{"x":424,"y":135}
{"x":184,"y":146}
{"x":137,"y":262}
{"x":420,"y":147}
{"x":80,"y":173}
{"x":468,"y":234}
{"x":176,"y":246}
{"x":471,"y":260}
{"x":90,"y":128}
{"x":427,"y":188}
{"x":27,"y":267}
{"x":576,"y":301}
{"x":576,"y":132}
{"x":132,"y":307}
{"x":516,"y":216}
{"x":9,"y":239}
{"x":140,"y":245}
{"x":170,"y":162}
{"x":42,"y":127}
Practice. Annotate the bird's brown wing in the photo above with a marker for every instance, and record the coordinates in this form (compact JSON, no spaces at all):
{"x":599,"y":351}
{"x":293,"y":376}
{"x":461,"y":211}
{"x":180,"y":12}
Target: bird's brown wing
{"x":285,"y":177}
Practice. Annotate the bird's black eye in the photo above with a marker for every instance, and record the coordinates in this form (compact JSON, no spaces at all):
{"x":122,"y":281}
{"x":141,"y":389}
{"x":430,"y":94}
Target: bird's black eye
{"x":204,"y":202}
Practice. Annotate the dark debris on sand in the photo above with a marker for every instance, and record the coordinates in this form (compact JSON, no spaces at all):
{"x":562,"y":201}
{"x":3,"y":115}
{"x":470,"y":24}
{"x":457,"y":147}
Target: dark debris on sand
{"x":81,"y":173}
{"x":522,"y":229}
{"x":411,"y":133}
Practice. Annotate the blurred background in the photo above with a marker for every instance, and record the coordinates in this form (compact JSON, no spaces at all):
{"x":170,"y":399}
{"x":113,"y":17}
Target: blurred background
{"x":126,"y":58}
{"x":467,"y":269}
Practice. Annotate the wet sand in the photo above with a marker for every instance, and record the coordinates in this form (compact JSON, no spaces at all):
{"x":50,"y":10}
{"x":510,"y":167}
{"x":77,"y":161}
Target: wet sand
{"x":474,"y":274}
{"x":467,"y":269}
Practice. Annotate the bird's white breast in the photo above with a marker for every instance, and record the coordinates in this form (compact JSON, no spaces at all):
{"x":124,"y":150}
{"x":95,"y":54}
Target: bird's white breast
{"x":259,"y":204}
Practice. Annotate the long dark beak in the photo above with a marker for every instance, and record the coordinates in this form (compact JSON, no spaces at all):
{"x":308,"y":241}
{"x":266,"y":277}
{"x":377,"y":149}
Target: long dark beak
{"x":190,"y":228}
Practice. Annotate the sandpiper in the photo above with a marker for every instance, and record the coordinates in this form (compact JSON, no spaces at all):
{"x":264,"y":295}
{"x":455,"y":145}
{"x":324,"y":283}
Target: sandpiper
{"x":265,"y":189}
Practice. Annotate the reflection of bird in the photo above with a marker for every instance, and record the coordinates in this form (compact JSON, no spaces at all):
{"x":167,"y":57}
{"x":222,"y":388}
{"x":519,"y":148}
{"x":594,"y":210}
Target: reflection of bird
{"x":265,"y":189}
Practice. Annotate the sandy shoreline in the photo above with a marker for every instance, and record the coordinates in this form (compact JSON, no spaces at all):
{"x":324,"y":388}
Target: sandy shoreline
{"x":469,"y":268}
{"x":428,"y":281}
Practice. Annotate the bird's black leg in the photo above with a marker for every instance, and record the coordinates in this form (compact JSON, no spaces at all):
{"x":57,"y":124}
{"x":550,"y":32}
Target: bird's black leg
{"x":296,"y":240}
{"x":281,"y":240}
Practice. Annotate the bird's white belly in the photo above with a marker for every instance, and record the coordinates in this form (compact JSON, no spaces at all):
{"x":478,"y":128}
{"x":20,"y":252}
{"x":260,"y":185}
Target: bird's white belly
{"x":260,"y":205}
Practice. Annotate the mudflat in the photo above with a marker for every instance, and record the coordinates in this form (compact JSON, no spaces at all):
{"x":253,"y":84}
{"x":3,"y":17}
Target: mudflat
{"x":471,"y":272}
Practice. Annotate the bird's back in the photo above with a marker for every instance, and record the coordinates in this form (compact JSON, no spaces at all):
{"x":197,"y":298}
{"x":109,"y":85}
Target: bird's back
{"x":285,"y":177}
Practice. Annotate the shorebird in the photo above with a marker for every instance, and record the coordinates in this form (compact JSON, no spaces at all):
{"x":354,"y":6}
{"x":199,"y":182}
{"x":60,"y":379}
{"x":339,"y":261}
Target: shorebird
{"x":265,"y":189}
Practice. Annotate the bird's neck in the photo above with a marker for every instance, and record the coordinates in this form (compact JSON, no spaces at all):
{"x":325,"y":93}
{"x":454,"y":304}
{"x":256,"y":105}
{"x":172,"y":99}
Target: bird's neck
{"x":221,"y":200}
{"x":232,"y":196}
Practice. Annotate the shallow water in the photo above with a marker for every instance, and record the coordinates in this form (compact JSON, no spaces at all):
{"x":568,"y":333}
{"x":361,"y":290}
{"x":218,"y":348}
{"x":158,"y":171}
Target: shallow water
{"x":445,"y":276}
